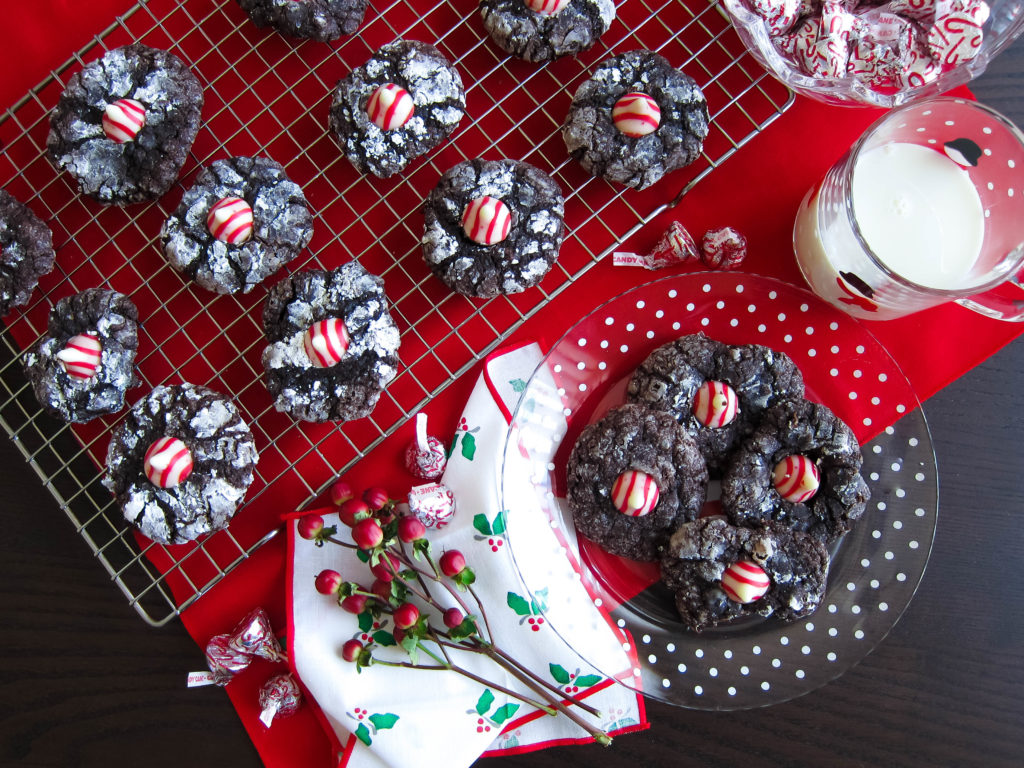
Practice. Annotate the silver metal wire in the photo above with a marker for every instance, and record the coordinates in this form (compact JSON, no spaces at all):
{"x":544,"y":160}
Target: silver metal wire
{"x":269,"y":95}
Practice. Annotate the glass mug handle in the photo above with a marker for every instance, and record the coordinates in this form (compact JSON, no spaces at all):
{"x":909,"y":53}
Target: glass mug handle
{"x":992,"y":305}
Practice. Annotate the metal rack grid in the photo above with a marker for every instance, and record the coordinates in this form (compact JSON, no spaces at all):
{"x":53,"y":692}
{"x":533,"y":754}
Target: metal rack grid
{"x":268,"y":95}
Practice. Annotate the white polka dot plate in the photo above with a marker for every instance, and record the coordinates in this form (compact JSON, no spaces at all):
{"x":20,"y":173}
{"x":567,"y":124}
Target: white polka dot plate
{"x":875,"y":569}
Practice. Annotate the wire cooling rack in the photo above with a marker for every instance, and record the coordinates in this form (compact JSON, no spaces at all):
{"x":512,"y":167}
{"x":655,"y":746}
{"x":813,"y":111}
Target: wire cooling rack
{"x":266,"y":94}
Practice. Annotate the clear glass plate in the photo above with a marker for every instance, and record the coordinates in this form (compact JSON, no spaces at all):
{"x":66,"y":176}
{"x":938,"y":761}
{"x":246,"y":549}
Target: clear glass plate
{"x":875,"y":569}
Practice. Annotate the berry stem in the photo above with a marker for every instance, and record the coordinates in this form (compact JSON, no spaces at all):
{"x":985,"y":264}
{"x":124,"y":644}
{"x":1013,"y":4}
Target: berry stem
{"x":438,"y":579}
{"x":483,"y":613}
{"x":554,"y":689}
{"x":340,"y":543}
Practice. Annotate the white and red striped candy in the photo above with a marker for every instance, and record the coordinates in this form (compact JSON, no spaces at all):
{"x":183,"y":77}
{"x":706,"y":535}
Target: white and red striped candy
{"x":796,"y":478}
{"x":636,"y":114}
{"x":546,"y":7}
{"x":325,"y":342}
{"x":390,"y":107}
{"x":634,"y":493}
{"x":486,"y":220}
{"x":230,"y":220}
{"x":167,"y":462}
{"x":123,"y":120}
{"x":715,"y":404}
{"x":81,"y":356}
{"x":744,"y":582}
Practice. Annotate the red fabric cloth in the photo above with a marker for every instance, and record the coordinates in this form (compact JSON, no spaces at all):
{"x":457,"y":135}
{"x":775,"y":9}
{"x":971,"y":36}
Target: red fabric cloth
{"x":757,"y":191}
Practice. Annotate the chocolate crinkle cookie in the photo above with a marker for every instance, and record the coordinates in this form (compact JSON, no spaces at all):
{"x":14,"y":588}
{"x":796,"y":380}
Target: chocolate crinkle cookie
{"x":333,"y":345}
{"x":124,"y":124}
{"x":400,"y":104}
{"x":241,"y":221}
{"x":636,"y":119}
{"x":721,"y":573}
{"x":542,"y":30}
{"x":180,"y":463}
{"x":26,"y":252}
{"x":716,"y":391}
{"x":321,"y":20}
{"x":632,"y":478}
{"x":85,"y":363}
{"x":801,"y":468}
{"x":493,"y":227}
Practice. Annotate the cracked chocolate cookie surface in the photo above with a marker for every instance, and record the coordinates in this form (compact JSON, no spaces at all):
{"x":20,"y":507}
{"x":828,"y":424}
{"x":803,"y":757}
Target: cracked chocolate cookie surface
{"x":75,"y":378}
{"x":437,"y":97}
{"x":593,"y":139}
{"x":321,"y":20}
{"x":222,"y":453}
{"x":798,"y":428}
{"x":281,"y":225}
{"x":26,"y":252}
{"x":521,"y":259}
{"x":671,"y":377}
{"x":350,"y":386}
{"x":634,"y":438}
{"x":700,"y":552}
{"x":144,"y":167}
{"x":538,"y":36}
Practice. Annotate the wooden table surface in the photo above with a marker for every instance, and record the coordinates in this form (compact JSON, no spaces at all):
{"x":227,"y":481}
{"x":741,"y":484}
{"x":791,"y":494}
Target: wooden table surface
{"x":84,"y":682}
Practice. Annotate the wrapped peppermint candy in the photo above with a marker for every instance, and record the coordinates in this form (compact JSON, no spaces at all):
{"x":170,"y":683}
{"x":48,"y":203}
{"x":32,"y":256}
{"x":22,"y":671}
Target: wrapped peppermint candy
{"x":433,"y":504}
{"x":676,"y":246}
{"x":254,"y":636}
{"x":224,"y":661}
{"x":723,"y":248}
{"x":425,"y":457}
{"x":280,"y":696}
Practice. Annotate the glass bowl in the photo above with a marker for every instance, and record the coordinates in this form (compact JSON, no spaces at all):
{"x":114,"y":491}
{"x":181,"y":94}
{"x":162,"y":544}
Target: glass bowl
{"x":875,"y":569}
{"x":1005,"y":23}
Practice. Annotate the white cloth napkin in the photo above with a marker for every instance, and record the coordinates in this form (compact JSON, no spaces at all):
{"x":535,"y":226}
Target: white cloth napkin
{"x":391,"y":717}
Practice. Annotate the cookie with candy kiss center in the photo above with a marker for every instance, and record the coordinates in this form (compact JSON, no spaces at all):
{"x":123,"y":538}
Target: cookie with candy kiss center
{"x":546,"y":7}
{"x":230,"y":220}
{"x":636,"y":114}
{"x":634,"y":493}
{"x":715,"y":405}
{"x":123,"y":120}
{"x":744,"y":582}
{"x":167,"y":462}
{"x":486,"y":220}
{"x":81,"y":356}
{"x":390,"y":107}
{"x":796,"y":478}
{"x":326,"y":342}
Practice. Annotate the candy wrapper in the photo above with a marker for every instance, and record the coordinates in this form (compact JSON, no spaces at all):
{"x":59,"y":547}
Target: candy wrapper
{"x":425,"y":457}
{"x":280,"y":696}
{"x":676,"y":246}
{"x":227,"y":655}
{"x":723,"y":248}
{"x":254,"y":636}
{"x":433,"y":504}
{"x":224,"y":659}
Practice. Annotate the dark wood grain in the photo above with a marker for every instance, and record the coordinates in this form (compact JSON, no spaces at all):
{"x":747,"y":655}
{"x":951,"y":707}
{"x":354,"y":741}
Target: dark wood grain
{"x":84,"y":682}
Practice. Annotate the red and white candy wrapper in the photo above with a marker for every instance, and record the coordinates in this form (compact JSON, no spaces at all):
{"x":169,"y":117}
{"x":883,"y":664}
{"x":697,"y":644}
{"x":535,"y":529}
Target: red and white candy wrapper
{"x":224,"y":660}
{"x":254,"y":636}
{"x":779,"y":15}
{"x":280,"y":696}
{"x":723,"y":248}
{"x":676,"y":246}
{"x":425,"y":457}
{"x":918,"y":10}
{"x":956,"y":35}
{"x":433,"y":504}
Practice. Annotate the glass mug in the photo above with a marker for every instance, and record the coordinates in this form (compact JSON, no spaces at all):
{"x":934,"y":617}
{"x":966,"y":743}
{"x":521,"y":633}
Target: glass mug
{"x":926,"y":207}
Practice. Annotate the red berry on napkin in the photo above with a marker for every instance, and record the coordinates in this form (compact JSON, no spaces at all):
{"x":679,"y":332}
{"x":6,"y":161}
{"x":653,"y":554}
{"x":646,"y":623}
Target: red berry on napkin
{"x":310,"y":525}
{"x":350,"y":651}
{"x":406,"y":615}
{"x":341,"y":492}
{"x":367,"y":533}
{"x":354,"y":510}
{"x":410,"y":529}
{"x":328,"y":582}
{"x":452,"y":563}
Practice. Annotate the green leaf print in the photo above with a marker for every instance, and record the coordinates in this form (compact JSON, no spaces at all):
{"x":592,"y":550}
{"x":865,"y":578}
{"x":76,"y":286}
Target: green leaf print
{"x":585,"y":681}
{"x":518,"y":385}
{"x":383,"y":720}
{"x":363,"y":734}
{"x":540,"y":603}
{"x":481,"y":524}
{"x":364,"y":557}
{"x":518,"y":604}
{"x":501,"y":714}
{"x":499,"y":523}
{"x":365,"y":620}
{"x":484,"y":702}
{"x":558,"y":672}
{"x":468,"y":446}
{"x":383,"y":638}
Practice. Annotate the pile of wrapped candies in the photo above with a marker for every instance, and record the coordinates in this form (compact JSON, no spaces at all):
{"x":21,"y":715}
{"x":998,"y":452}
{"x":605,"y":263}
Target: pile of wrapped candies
{"x":253,"y":638}
{"x":890,"y":46}
{"x":720,"y":248}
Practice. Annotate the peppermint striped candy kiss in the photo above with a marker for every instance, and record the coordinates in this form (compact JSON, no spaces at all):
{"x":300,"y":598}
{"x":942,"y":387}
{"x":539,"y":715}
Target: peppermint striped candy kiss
{"x":390,"y":107}
{"x":715,"y":404}
{"x":744,"y":582}
{"x":230,"y":220}
{"x":123,"y":120}
{"x":634,"y":493}
{"x":81,"y":356}
{"x":325,"y":341}
{"x":486,"y":220}
{"x":796,"y":478}
{"x":636,"y":114}
{"x":546,"y":7}
{"x":167,"y":462}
